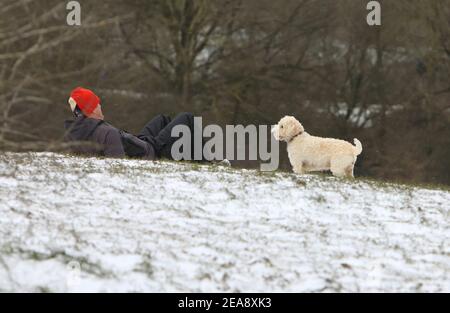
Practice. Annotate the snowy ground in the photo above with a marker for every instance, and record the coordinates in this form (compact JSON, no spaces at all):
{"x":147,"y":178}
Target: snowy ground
{"x":86,"y":224}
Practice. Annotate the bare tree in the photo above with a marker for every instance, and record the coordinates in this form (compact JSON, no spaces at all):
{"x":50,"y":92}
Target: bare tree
{"x":33,"y":38}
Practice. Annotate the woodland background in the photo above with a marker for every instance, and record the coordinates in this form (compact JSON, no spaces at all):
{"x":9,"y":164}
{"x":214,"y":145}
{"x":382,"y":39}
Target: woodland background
{"x":239,"y":62}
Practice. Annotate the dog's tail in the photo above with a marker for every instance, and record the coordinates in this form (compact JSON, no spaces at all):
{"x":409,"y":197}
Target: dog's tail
{"x":358,"y":146}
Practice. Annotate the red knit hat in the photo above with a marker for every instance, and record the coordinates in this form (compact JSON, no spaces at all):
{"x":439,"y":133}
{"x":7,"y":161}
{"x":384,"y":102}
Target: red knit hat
{"x":85,"y":99}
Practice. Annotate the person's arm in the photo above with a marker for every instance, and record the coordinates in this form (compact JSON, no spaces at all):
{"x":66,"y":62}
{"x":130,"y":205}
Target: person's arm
{"x":113,"y":144}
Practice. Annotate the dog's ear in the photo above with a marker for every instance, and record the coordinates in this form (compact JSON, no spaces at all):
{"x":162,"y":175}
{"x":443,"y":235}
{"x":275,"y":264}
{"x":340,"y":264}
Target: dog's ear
{"x":298,"y":127}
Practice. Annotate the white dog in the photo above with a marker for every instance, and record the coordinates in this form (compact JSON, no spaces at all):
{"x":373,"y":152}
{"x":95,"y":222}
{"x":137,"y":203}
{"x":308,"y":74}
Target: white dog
{"x":309,"y":153}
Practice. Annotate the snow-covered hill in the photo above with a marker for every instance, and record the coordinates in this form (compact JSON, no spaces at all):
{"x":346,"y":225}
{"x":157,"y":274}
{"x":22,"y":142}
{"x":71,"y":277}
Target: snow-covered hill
{"x":86,"y":224}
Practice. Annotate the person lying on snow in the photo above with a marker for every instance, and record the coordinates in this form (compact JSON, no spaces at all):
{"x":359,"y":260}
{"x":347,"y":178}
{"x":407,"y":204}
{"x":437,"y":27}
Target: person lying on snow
{"x":153,"y":141}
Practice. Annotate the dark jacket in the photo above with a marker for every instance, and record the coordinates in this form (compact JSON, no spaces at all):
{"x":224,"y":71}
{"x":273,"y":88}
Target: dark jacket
{"x":105,"y":139}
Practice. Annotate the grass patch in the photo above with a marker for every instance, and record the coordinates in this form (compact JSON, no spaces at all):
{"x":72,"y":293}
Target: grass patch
{"x":116,"y":166}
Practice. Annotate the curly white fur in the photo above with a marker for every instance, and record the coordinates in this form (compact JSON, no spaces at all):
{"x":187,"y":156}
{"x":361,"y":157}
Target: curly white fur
{"x":310,"y":153}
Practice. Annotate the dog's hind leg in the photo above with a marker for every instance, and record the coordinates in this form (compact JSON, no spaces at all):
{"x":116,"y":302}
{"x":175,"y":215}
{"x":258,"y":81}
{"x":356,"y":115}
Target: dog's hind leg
{"x":349,"y":171}
{"x":338,"y":166}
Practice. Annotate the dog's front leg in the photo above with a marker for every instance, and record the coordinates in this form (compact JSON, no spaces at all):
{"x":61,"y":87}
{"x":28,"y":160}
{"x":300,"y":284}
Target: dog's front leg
{"x":298,"y":169}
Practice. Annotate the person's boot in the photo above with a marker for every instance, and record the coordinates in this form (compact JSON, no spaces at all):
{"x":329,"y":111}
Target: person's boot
{"x":224,"y":163}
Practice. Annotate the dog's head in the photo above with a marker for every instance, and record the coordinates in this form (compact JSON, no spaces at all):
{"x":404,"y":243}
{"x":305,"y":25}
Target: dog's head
{"x":287,"y":128}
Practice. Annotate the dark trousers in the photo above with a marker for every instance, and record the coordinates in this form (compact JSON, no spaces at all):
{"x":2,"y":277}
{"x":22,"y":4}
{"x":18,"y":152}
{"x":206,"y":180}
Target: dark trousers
{"x":158,"y":132}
